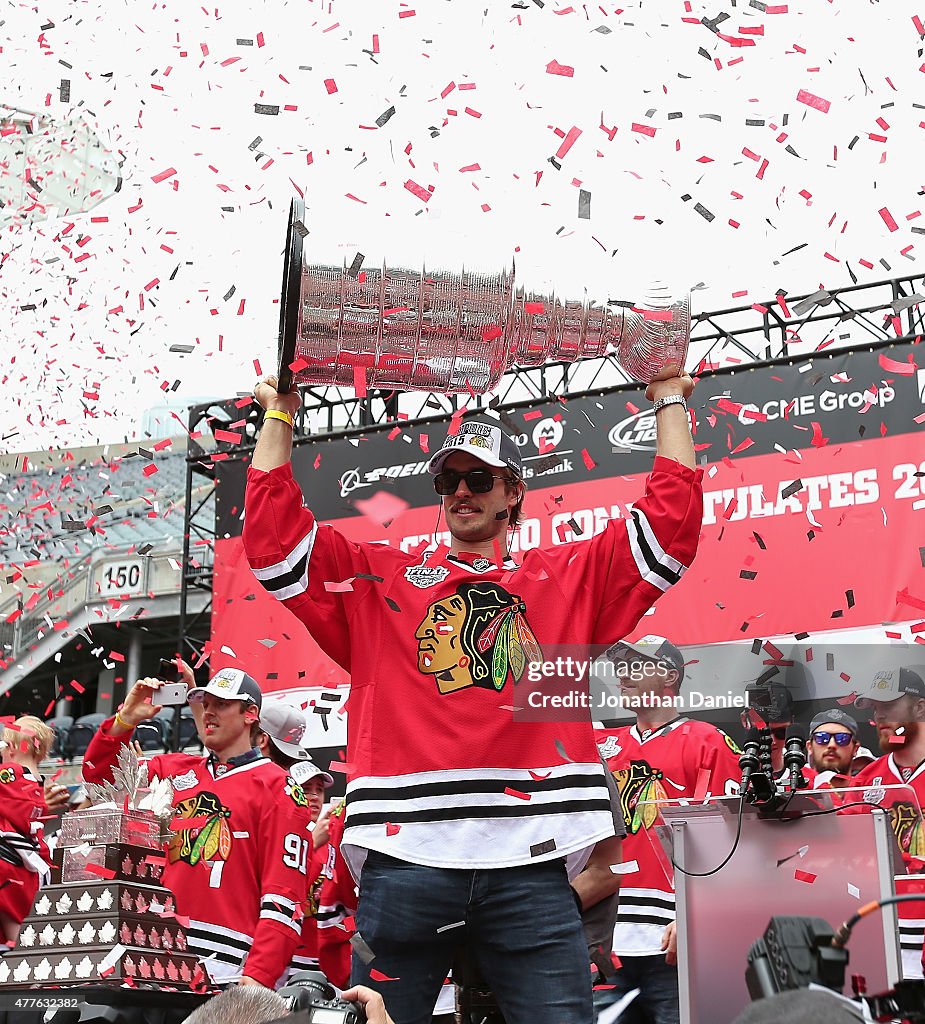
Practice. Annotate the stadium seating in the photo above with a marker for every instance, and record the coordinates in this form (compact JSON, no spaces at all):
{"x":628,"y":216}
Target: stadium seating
{"x":61,"y":726}
{"x":80,"y":734}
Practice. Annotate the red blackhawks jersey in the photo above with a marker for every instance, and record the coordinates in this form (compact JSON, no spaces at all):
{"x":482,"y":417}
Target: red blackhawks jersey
{"x":239,"y":873}
{"x":440,"y":771}
{"x":305,"y":957}
{"x":337,"y":907}
{"x":906,"y":821}
{"x":682,"y":759}
{"x":22,"y":805}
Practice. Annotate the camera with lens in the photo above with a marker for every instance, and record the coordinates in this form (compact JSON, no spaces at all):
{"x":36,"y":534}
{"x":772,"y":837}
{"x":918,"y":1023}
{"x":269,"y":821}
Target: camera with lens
{"x":312,"y":999}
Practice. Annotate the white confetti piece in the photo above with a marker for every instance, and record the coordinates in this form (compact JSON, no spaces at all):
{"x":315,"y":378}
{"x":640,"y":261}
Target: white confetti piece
{"x":626,"y":868}
{"x":854,"y":891}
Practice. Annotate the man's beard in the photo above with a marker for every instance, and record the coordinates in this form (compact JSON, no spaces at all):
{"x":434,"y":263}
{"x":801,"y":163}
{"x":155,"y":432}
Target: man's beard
{"x":890,"y":741}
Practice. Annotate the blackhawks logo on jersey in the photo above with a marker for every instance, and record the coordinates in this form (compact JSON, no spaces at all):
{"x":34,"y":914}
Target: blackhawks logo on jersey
{"x":907,"y":827}
{"x":476,"y":637}
{"x":209,"y":839}
{"x":7,"y":775}
{"x":295,"y":792}
{"x":639,"y":786}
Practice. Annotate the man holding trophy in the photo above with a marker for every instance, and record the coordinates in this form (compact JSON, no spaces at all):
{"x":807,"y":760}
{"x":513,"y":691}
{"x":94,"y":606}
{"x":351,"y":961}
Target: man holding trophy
{"x":459,"y":817}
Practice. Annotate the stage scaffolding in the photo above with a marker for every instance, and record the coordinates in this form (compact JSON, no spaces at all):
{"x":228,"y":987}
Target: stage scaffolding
{"x":781,"y":328}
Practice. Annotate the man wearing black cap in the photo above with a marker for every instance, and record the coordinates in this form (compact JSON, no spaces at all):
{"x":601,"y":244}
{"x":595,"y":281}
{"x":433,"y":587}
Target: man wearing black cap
{"x":832,"y":745}
{"x":664,"y":756}
{"x":458,"y":815}
{"x":896,"y":700}
{"x":238,"y":870}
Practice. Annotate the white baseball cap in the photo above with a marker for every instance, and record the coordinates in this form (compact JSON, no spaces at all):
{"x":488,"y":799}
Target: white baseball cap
{"x":285,"y":725}
{"x":305,"y":771}
{"x":229,"y":684}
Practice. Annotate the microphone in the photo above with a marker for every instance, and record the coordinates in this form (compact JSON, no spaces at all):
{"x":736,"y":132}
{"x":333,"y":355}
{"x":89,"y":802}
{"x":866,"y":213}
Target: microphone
{"x":795,"y":756}
{"x":748,"y":760}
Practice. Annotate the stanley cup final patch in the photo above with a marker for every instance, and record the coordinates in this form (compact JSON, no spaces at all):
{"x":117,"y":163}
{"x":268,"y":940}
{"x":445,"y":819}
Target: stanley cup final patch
{"x":424,"y":576}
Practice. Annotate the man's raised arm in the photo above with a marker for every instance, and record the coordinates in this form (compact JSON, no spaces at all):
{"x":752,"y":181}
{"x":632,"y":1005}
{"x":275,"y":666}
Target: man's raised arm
{"x":672,"y":423}
{"x":274,"y":446}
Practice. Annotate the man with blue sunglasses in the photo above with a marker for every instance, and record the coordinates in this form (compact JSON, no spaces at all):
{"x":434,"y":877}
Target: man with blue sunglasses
{"x":833,"y":742}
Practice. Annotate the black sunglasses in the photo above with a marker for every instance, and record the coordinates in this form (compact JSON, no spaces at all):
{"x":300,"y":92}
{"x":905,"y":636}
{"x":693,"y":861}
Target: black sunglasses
{"x":842,"y":739}
{"x":479,"y":481}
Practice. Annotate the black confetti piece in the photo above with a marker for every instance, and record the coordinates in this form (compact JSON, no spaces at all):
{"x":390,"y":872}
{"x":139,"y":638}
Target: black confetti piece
{"x":392,"y":604}
{"x":922,"y":556}
{"x":245,"y":42}
{"x":368,"y":576}
{"x":301,"y":229}
{"x":837,"y":614}
{"x":704,"y":212}
{"x":229,"y":293}
{"x":584,"y":205}
{"x":538,"y":849}
{"x":361,"y":949}
{"x":355,"y":265}
{"x":542,"y":466}
{"x":830,"y":662}
{"x":746,"y":574}
{"x":266,"y":108}
{"x":385,"y":117}
{"x":849,"y":594}
{"x":759,"y":541}
{"x":792,"y":489}
{"x":800,"y":636}
{"x":560,"y":750}
{"x":255,"y":143}
{"x":811,"y":534}
{"x":64,"y":90}
{"x":576,"y":529}
{"x":756,"y":647}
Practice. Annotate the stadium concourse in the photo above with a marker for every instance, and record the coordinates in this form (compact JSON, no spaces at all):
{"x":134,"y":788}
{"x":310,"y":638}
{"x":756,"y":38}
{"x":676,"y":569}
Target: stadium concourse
{"x":91,"y":548}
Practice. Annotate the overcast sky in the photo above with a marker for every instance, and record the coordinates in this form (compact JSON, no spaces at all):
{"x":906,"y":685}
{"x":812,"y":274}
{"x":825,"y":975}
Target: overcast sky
{"x":708,"y":153}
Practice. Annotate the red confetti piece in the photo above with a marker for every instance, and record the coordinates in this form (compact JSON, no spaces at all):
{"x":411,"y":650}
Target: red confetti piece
{"x":340,"y":588}
{"x":555,"y":68}
{"x":516,"y":792}
{"x":570,"y":139}
{"x":816,"y":102}
{"x":804,"y":876}
{"x":894,"y":366}
{"x":537,"y":777}
{"x":359,"y":381}
{"x":164,"y":175}
{"x":392,"y":830}
{"x":587,"y":460}
{"x":887,"y":218}
{"x":186,"y":824}
{"x":330,"y":85}
{"x":379,"y":976}
{"x":98,"y":869}
{"x":415,"y":189}
{"x":382,"y":507}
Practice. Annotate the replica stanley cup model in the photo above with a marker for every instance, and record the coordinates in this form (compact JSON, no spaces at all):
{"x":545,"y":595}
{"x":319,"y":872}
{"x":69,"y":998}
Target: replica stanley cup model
{"x":455,"y":330}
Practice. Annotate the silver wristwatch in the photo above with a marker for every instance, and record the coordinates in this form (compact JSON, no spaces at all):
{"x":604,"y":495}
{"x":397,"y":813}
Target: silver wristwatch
{"x":660,"y":403}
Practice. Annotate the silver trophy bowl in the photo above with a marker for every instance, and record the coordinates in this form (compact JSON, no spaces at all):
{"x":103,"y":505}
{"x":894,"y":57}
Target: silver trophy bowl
{"x":455,"y":331}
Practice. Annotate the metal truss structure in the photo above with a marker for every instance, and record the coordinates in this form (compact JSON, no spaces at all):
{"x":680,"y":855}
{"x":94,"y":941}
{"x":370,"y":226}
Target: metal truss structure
{"x":781,"y":328}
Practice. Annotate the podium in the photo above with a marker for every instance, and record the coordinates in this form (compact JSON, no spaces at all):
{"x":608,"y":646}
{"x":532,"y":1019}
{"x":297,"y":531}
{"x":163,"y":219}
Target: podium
{"x":821,"y":859}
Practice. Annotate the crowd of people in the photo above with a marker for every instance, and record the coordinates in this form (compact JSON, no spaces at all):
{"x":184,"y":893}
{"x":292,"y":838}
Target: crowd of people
{"x":519,"y":855}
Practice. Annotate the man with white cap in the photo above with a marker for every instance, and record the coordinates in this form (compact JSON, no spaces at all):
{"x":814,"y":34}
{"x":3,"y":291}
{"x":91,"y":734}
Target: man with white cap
{"x":896,"y":700}
{"x":238,"y":870}
{"x":458,"y":813}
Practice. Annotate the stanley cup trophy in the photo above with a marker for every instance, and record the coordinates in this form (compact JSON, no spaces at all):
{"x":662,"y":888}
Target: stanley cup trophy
{"x":455,"y":330}
{"x":106,"y":920}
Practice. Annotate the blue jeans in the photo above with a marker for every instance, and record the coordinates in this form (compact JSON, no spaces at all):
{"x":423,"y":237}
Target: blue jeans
{"x":657,"y":1002}
{"x":521,"y":923}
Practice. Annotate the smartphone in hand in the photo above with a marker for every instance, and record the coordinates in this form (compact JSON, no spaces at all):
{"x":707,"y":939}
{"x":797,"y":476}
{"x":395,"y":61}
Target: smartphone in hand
{"x":174,"y":691}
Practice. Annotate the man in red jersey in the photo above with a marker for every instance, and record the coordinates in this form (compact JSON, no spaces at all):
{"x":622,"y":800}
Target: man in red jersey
{"x":664,"y":756}
{"x":458,"y":816}
{"x":896,"y":700}
{"x":282,"y":732}
{"x":238,"y":870}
